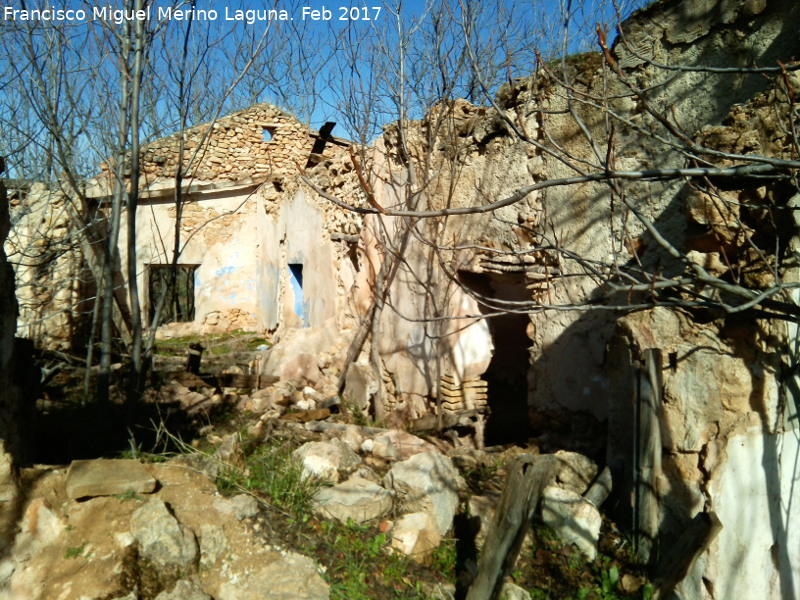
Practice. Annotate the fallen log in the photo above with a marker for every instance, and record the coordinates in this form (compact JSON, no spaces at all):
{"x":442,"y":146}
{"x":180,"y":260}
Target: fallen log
{"x":600,"y":489}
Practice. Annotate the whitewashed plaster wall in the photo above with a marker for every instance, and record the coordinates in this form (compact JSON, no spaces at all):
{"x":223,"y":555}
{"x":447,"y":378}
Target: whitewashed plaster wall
{"x":757,"y":553}
{"x":417,"y":345}
{"x":295,"y":233}
{"x":219,"y":234}
{"x":422,"y":333}
{"x":730,"y":444}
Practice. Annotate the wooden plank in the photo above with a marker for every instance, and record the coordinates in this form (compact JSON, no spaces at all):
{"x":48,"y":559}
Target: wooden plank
{"x":461,"y":418}
{"x":238,"y":380}
{"x":528,"y":475}
{"x":323,"y":427}
{"x":234,"y":380}
{"x":306,"y":415}
{"x":677,"y":563}
{"x":648,"y":455}
{"x":190,"y":380}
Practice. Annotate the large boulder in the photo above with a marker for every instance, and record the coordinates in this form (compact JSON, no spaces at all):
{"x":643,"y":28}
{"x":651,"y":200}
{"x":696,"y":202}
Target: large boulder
{"x":416,"y":535}
{"x":427,"y":483}
{"x":185,"y":589}
{"x":91,"y":478}
{"x":575,"y":471}
{"x":162,"y":539}
{"x":396,"y":444}
{"x":291,"y":577}
{"x":323,"y":460}
{"x":360,"y":385}
{"x":296,"y":357}
{"x":574,"y":519}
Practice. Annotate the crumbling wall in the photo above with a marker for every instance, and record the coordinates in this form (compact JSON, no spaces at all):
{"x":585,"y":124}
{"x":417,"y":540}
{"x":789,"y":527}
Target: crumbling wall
{"x":219,"y":237}
{"x":729,"y":389}
{"x":54,"y":285}
{"x":728,"y":443}
{"x":585,"y":218}
{"x":431,"y":324}
{"x":728,"y":440}
{"x":729,"y":430}
{"x":239,"y":221}
{"x":240,"y":179}
{"x":11,"y":422}
{"x":255,"y":143}
{"x":296,"y":234}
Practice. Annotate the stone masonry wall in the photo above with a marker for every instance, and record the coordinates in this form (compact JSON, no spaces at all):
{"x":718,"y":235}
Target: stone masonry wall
{"x":239,"y":220}
{"x":235,"y":191}
{"x":234,"y":148}
{"x":53,"y":285}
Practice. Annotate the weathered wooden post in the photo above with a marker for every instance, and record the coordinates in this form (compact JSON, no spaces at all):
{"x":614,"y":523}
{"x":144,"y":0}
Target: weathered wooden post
{"x":528,"y":475}
{"x":194,"y":358}
{"x":678,"y":561}
{"x":647,"y":458}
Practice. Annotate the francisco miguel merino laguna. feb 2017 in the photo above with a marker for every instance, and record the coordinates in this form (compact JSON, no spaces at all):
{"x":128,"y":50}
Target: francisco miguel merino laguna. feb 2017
{"x":119,"y":16}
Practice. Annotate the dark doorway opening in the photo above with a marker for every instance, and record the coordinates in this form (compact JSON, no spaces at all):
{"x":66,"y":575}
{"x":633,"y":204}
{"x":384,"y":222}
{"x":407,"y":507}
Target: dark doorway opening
{"x":507,"y":375}
{"x":177,"y":287}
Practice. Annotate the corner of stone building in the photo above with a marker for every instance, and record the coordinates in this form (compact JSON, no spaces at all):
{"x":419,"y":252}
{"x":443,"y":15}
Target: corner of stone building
{"x":8,"y":326}
{"x":10,"y":439}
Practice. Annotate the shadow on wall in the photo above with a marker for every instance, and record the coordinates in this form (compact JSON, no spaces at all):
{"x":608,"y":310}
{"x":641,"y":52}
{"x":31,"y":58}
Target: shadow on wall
{"x":745,"y":473}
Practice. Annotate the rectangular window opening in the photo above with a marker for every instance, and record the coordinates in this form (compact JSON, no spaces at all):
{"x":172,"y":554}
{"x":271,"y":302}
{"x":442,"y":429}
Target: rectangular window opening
{"x":176,"y":286}
{"x":296,"y":280}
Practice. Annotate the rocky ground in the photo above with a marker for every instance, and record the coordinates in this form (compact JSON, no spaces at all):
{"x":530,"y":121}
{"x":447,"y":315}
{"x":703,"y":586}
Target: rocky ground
{"x":278,"y":493}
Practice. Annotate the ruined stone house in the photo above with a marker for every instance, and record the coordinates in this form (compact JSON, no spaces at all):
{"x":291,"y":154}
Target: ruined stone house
{"x":256,"y":251}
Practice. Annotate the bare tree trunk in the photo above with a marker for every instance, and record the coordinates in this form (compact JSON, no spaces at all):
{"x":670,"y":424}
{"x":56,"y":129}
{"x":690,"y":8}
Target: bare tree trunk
{"x":112,"y":247}
{"x":137,"y":370}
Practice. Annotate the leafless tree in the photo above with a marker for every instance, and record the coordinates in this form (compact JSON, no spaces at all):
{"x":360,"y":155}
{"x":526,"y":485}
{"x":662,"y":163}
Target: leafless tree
{"x":89,"y":94}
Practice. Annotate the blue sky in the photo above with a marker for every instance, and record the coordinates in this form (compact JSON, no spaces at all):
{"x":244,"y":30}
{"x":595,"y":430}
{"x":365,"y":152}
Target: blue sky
{"x":353,"y":72}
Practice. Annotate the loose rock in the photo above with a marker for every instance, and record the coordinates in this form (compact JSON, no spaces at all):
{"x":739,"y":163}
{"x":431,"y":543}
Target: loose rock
{"x":574,"y":519}
{"x":415,"y":535}
{"x":89,"y":478}
{"x":185,"y":589}
{"x":428,"y":483}
{"x":356,"y":499}
{"x":292,"y":577}
{"x":162,"y":538}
